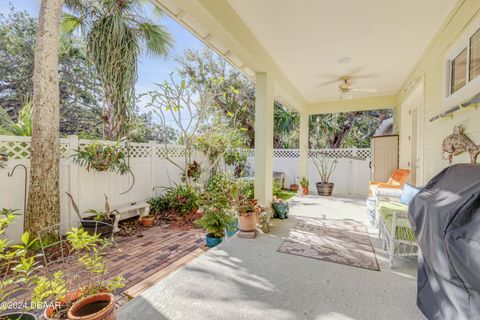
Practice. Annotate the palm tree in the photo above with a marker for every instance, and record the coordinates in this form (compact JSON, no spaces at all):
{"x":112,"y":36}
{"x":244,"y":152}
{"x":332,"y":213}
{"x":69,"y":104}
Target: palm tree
{"x":43,"y":207}
{"x":116,"y":31}
{"x":23,"y":126}
{"x":286,"y":124}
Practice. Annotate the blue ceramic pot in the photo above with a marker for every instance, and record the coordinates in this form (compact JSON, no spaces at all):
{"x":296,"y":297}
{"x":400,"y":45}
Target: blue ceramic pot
{"x":211,"y":241}
{"x":233,"y":229}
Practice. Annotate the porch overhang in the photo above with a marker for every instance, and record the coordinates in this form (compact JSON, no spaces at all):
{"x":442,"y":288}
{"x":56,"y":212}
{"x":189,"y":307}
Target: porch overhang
{"x":348,"y":105}
{"x":218,"y":26}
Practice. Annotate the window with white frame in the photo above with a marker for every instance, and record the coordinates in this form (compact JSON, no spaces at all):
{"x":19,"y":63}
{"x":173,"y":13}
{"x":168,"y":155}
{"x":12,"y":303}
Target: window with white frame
{"x":463,"y":74}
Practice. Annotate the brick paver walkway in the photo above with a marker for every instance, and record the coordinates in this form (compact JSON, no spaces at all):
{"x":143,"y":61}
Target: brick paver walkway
{"x":137,"y":258}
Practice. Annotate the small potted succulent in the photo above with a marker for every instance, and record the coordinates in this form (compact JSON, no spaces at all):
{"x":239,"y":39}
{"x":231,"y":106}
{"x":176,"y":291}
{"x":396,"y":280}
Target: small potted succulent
{"x":304,"y":183}
{"x":19,"y":267}
{"x":148,"y":220}
{"x":96,"y":221}
{"x":325,"y":167}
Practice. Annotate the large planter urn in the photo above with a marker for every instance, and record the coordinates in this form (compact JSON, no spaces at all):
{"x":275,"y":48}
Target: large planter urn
{"x":324,"y":189}
{"x":247,"y":222}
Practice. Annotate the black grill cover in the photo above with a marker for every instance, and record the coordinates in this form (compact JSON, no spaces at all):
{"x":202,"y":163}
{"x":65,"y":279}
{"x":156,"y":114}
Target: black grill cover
{"x":446,"y":220}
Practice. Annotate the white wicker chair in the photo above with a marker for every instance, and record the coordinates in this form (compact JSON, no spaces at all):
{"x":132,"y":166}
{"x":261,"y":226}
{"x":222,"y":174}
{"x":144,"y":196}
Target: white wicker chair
{"x":398,"y":238}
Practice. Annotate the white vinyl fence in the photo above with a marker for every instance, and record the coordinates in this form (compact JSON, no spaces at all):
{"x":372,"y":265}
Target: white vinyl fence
{"x":152,"y":172}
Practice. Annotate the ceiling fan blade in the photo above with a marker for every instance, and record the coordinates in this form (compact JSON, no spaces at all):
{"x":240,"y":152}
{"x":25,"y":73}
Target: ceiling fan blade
{"x":329,"y":82}
{"x":363,"y":90}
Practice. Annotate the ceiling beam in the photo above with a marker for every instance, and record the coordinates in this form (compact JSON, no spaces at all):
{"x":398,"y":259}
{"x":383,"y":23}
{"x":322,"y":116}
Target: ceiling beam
{"x":221,"y":21}
{"x":348,"y":105}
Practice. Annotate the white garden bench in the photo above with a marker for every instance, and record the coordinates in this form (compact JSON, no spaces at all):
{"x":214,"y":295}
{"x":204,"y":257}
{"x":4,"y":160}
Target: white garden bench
{"x":140,"y":208}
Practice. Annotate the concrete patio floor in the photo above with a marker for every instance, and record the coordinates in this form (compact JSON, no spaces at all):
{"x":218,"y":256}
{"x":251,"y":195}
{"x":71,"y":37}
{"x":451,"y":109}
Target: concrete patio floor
{"x":249,"y":279}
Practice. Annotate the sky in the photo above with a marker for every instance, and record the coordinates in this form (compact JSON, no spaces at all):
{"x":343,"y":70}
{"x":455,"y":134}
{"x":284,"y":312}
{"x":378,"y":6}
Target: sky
{"x":151,"y":70}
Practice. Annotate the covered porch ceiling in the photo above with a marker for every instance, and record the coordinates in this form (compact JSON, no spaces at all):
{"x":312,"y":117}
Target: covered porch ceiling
{"x":307,"y":46}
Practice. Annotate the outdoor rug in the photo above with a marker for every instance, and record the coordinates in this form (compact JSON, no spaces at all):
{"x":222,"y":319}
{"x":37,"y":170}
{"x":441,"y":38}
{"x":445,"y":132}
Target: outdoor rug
{"x":340,"y":241}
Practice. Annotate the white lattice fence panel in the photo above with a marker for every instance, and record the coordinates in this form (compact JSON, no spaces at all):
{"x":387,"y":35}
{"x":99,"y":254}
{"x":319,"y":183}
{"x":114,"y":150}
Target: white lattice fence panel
{"x":172,"y":151}
{"x":363,"y":153}
{"x":138,"y":150}
{"x":250,"y":153}
{"x":16,"y":150}
{"x":331,"y":153}
{"x":64,"y":150}
{"x":286,"y":153}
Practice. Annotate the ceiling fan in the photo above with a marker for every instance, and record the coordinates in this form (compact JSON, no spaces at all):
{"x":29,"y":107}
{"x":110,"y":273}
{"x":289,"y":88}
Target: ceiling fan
{"x":345,"y":88}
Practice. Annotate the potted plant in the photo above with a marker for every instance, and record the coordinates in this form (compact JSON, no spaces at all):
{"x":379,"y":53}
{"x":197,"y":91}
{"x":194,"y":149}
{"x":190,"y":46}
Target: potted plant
{"x":247,"y":220}
{"x":91,"y":296}
{"x":91,"y":223}
{"x":304,"y":183}
{"x":294,"y":186}
{"x":215,"y":204}
{"x":18,"y":267}
{"x":147,"y":221}
{"x":325,"y":167}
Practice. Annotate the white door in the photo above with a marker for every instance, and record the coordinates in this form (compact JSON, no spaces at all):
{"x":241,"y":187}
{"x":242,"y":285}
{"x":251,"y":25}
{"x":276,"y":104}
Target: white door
{"x":411,"y":136}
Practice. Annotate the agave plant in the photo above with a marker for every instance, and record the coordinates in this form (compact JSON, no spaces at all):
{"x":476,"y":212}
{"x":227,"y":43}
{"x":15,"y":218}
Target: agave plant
{"x":116,"y":32}
{"x":23,"y":126}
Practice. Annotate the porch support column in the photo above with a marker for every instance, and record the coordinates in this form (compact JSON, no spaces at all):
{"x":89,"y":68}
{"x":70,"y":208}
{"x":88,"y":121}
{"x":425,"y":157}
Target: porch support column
{"x":263,"y":138}
{"x":303,"y":159}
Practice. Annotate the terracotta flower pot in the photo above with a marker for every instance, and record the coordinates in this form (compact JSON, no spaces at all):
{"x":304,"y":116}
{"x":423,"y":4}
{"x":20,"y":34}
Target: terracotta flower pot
{"x":100,"y":306}
{"x":147,"y":221}
{"x":247,"y":222}
{"x":305,"y":190}
{"x":294,"y":187}
{"x":70,"y":297}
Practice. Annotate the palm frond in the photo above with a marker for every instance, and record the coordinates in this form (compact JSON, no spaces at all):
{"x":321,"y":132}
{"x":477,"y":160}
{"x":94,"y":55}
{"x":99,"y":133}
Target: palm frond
{"x":70,"y":23}
{"x":23,"y":126}
{"x":158,"y":41}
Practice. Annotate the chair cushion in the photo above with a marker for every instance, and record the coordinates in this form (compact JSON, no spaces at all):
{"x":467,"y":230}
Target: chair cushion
{"x":403,"y":229}
{"x":409,"y":192}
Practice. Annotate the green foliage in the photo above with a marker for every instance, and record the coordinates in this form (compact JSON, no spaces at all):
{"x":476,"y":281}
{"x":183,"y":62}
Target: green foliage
{"x":80,"y":103}
{"x":243,"y":194}
{"x":103,"y":157}
{"x":215,"y":203}
{"x":18,"y":267}
{"x":194,"y":172}
{"x":304,"y":182}
{"x":179,"y":198}
{"x":185,"y":199}
{"x":90,"y":252}
{"x":214,"y":221}
{"x":238,"y":160}
{"x":115,"y":32}
{"x":345,"y":130}
{"x":23,"y":125}
{"x":160,"y":204}
{"x":277,"y":188}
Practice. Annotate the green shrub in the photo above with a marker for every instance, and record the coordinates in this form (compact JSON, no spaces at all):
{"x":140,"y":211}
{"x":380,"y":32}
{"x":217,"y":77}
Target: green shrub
{"x":277,"y":189}
{"x":159,"y":204}
{"x":183,"y":199}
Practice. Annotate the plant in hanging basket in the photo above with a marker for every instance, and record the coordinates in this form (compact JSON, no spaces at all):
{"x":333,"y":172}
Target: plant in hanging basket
{"x":103,"y":157}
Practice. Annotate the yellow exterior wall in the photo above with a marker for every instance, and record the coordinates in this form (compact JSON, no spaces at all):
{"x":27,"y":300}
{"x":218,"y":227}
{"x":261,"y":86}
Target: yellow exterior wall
{"x":432,"y":67}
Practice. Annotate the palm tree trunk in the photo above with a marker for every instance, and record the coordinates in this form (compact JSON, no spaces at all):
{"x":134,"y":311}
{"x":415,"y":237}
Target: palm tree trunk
{"x":43,"y":207}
